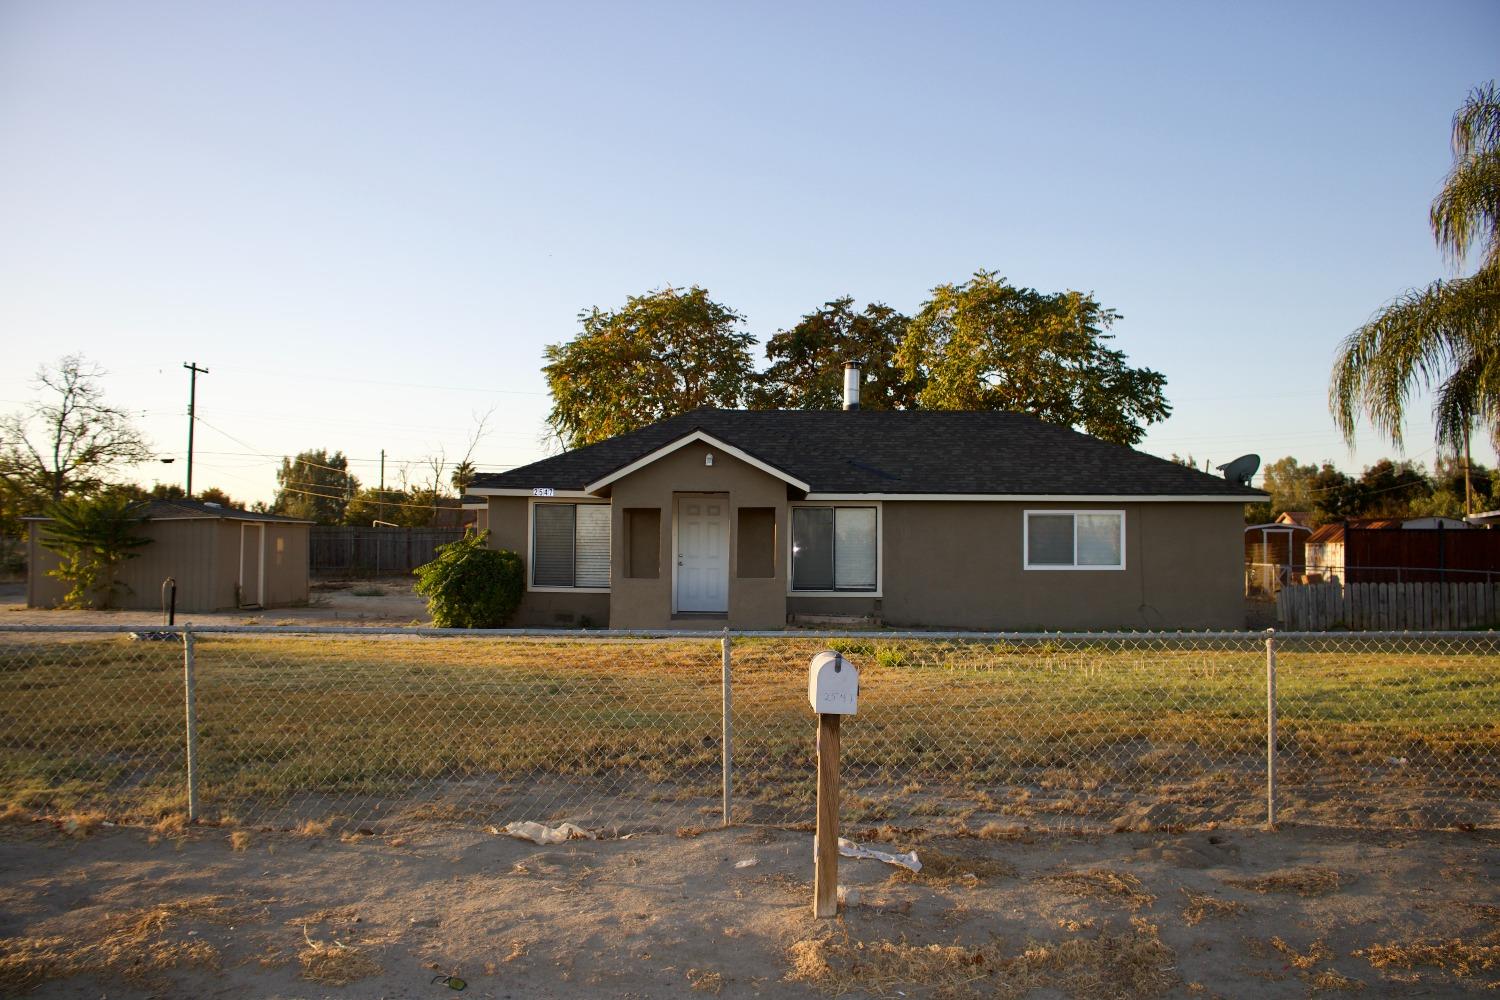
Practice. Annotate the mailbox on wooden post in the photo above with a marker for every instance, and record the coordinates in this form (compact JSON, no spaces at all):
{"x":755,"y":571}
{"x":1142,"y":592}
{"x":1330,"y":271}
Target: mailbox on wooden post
{"x":833,"y":691}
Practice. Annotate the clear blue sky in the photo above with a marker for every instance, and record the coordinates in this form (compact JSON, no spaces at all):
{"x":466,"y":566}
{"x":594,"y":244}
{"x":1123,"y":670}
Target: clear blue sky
{"x":366,"y":219}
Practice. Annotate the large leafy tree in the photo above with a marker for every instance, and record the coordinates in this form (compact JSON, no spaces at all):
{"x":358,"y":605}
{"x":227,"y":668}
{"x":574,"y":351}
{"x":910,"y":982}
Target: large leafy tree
{"x":1388,"y":489}
{"x":807,"y":361}
{"x":70,"y":442}
{"x":988,"y":345}
{"x":661,"y":354}
{"x":315,"y":486}
{"x":1444,"y":338}
{"x":93,"y":536}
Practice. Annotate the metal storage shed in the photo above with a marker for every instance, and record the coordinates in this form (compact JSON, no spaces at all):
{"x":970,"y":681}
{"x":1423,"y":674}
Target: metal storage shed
{"x":222,"y":559}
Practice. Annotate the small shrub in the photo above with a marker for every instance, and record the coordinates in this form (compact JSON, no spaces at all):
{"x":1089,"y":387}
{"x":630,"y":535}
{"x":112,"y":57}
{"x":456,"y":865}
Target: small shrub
{"x":470,"y":585}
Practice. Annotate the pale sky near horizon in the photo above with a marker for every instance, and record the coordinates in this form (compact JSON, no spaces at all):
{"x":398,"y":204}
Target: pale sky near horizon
{"x":367,"y":219}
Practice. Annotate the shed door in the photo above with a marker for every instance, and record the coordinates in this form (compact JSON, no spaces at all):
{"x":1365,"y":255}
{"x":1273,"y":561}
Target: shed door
{"x":252,"y":565}
{"x":703,"y":554}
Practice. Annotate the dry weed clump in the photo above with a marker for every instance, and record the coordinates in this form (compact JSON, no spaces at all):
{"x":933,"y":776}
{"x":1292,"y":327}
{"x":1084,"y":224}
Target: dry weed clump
{"x":1332,"y":980}
{"x":171,"y":825}
{"x":1454,"y":955}
{"x":335,"y":963}
{"x":1316,"y":952}
{"x":1101,"y":883}
{"x":705,"y":981}
{"x":1201,"y":905}
{"x":239,"y":840}
{"x":136,"y":945}
{"x":1111,"y":964}
{"x":80,"y":824}
{"x":313,"y":828}
{"x":1309,"y":881}
{"x":939,"y":868}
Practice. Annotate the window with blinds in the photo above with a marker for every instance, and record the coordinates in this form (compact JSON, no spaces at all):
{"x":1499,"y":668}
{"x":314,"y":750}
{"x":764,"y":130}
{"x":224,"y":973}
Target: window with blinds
{"x":835,"y":548}
{"x":1075,"y":539}
{"x":570,"y":545}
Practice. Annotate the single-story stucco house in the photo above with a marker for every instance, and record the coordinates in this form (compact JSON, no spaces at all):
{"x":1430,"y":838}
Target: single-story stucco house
{"x":913,"y":519}
{"x":222,"y":558}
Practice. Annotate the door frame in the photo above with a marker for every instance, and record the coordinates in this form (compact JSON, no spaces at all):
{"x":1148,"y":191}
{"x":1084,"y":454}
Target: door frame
{"x":260,"y":582}
{"x":677,"y":499}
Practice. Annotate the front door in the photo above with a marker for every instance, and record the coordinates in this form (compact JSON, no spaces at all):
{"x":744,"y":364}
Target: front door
{"x":703,"y":554}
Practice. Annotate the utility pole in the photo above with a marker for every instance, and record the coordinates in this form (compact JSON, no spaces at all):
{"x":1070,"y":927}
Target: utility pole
{"x":192,"y":366}
{"x":381,"y":507}
{"x":1468,"y":477}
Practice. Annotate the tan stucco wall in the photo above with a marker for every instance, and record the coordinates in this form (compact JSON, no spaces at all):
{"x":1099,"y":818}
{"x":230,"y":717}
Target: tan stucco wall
{"x":959,"y":565}
{"x":202,"y":555}
{"x":754,"y":603}
{"x":509,"y":522}
{"x":945,"y":564}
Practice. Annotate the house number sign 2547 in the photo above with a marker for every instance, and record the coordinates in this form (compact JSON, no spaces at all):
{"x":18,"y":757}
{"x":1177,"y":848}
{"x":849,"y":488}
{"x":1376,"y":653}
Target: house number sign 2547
{"x":542,"y":491}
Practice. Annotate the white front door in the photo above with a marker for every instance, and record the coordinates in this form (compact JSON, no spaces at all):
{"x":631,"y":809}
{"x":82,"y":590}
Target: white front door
{"x":703,"y":554}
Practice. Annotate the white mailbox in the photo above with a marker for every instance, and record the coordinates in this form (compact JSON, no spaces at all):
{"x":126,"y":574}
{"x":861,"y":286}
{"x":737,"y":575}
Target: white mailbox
{"x":832,"y":684}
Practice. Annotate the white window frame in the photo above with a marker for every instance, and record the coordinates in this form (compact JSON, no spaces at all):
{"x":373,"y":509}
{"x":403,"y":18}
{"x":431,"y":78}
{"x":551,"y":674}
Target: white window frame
{"x":879,"y":590}
{"x":531,"y":507}
{"x":1026,"y":541}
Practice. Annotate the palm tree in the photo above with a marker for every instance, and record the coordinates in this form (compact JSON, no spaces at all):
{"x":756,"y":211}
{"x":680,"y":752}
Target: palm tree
{"x":1445,"y":337}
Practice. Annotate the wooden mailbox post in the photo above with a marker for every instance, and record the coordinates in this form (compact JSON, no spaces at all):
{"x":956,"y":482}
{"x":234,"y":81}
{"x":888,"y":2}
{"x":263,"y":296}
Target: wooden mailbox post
{"x":833,"y":690}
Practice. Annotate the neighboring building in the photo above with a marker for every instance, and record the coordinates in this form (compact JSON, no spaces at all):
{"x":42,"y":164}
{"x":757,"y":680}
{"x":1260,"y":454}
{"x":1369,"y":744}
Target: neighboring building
{"x":1275,"y":553}
{"x":476,"y":513}
{"x":912,"y":519}
{"x":1392,"y":550}
{"x":222,"y":558}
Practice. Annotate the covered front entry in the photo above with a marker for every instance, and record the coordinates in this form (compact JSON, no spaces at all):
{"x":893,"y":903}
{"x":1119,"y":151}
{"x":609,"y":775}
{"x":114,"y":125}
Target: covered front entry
{"x":701,"y":572}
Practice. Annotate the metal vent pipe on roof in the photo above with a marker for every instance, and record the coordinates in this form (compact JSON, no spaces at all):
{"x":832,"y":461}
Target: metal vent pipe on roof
{"x":851,"y":385}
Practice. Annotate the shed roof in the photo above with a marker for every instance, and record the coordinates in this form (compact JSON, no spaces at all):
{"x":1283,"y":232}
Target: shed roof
{"x":182,"y":510}
{"x":920,"y":452}
{"x":1333,"y":531}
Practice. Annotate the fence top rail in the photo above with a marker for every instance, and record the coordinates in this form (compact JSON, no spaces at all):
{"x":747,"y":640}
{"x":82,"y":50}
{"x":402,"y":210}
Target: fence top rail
{"x":575,"y":634}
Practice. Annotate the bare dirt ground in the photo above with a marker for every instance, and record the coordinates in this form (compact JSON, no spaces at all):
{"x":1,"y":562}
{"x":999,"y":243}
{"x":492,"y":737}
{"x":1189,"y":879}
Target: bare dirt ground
{"x":383,"y":601}
{"x":1228,"y":913}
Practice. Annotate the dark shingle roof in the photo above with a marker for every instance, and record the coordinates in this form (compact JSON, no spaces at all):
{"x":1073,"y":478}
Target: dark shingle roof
{"x":910,"y":451}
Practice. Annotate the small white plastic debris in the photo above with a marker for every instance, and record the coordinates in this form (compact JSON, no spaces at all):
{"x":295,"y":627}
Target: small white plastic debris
{"x":538,"y":833}
{"x":850,"y":849}
{"x":849,"y":895}
{"x":747,"y":863}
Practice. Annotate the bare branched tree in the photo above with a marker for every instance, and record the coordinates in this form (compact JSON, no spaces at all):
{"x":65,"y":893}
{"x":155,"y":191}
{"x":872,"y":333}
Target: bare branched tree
{"x":70,"y":442}
{"x":464,"y":471}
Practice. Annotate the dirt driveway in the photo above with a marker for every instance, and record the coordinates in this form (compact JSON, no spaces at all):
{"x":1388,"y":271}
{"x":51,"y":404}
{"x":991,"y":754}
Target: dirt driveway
{"x":386,"y":601}
{"x":228,"y":913}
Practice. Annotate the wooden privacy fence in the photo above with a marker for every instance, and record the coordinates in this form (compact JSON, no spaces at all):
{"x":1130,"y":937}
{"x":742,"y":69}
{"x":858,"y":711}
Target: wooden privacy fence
{"x":335,"y":550}
{"x":1388,"y":606}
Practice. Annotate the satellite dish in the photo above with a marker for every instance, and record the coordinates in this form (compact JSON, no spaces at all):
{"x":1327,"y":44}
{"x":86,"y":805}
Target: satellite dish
{"x":1241,"y":470}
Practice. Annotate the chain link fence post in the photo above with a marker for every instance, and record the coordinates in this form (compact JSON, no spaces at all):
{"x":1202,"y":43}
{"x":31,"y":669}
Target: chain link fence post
{"x":190,"y":706}
{"x":1270,"y":729}
{"x":728,"y":729}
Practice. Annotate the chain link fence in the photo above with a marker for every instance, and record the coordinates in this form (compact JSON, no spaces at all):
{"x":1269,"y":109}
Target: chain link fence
{"x":363,"y":728}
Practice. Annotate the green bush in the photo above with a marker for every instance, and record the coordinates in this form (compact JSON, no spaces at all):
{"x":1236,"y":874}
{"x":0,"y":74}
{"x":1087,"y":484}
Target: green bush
{"x":470,"y":585}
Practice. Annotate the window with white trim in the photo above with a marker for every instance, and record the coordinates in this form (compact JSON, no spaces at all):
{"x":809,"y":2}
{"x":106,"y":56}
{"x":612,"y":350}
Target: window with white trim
{"x":1075,"y":539}
{"x":570,"y":545}
{"x":835,"y":548}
